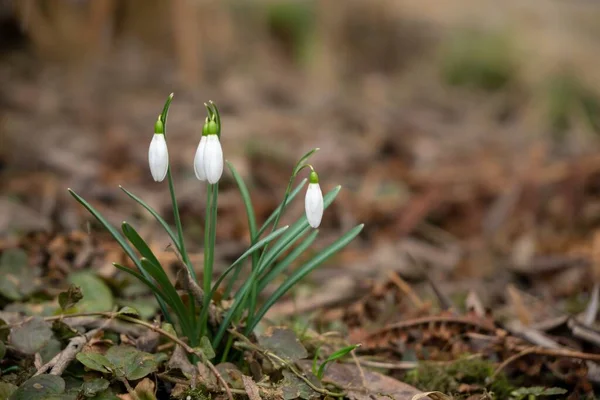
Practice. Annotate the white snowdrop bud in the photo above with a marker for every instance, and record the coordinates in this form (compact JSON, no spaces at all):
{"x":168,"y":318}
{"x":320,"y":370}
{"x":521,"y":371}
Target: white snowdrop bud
{"x":199,"y":158}
{"x":158,"y":154}
{"x":213,"y":155}
{"x":313,"y":202}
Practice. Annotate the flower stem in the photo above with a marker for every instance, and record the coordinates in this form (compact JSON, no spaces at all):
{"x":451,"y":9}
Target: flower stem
{"x":210,"y":232}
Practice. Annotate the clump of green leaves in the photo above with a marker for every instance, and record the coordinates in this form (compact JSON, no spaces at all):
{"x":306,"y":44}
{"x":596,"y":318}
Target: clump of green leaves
{"x":447,"y":378}
{"x":478,"y":60}
{"x":122,"y":362}
{"x":190,"y":314}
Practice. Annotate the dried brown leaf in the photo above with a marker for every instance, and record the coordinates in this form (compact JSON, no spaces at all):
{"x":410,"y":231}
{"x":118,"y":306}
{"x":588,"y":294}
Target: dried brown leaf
{"x":251,"y":388}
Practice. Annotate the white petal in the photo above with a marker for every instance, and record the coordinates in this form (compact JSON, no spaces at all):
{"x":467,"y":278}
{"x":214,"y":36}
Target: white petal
{"x":213,"y":159}
{"x":158,"y":157}
{"x":313,"y":205}
{"x":199,"y":160}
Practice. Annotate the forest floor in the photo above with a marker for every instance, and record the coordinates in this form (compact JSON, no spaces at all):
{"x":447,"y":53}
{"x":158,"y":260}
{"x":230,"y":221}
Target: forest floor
{"x":477,"y":274}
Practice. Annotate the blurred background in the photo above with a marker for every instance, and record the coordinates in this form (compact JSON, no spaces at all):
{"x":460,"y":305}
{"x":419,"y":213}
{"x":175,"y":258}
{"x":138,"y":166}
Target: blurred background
{"x":465,"y":133}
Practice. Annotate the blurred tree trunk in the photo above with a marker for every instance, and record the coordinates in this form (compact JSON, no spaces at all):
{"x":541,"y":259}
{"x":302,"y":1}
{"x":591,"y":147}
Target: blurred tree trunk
{"x":186,"y":36}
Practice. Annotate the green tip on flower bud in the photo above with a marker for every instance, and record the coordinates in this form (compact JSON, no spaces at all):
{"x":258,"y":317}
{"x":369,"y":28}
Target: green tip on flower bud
{"x":205,"y":128}
{"x":212,"y":127}
{"x":313,"y":177}
{"x":159,"y":126}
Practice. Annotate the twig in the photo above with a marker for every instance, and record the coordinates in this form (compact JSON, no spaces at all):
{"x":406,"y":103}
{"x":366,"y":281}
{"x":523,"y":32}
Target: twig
{"x":510,"y":360}
{"x":483,"y":325}
{"x":132,"y":320}
{"x":541,"y":351}
{"x":61,"y":361}
{"x":583,"y":332}
{"x":360,"y":369}
{"x":251,"y":346}
{"x":402,"y":365}
{"x":406,"y":289}
{"x":186,"y":382}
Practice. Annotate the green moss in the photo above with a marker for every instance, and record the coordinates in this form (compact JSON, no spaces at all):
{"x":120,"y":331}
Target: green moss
{"x":448,"y":377}
{"x":199,"y":393}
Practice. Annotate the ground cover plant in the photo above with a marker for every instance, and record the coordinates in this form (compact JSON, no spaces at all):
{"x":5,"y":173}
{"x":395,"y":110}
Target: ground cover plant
{"x":193,"y":318}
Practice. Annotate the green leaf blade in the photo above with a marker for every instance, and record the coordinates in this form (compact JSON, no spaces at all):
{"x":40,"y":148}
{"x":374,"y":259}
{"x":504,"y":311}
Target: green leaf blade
{"x":303,"y":271}
{"x":289,"y":259}
{"x":294,"y":233}
{"x":156,"y":216}
{"x":140,"y":245}
{"x":281,"y":206}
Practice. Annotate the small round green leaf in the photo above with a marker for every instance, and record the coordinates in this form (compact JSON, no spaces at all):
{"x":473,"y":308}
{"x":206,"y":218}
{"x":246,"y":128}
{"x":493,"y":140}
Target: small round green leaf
{"x":96,"y":362}
{"x":207,"y":348}
{"x":95,"y":386}
{"x":19,"y":279}
{"x":39,"y":387}
{"x":130,"y":363}
{"x":284,"y":343}
{"x":32,"y":336}
{"x":6,"y":389}
{"x":97,"y":296}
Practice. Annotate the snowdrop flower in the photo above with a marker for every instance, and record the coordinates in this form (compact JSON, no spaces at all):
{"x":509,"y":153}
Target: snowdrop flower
{"x":199,"y":158}
{"x":313,"y":202}
{"x":213,"y":154}
{"x":158,"y":154}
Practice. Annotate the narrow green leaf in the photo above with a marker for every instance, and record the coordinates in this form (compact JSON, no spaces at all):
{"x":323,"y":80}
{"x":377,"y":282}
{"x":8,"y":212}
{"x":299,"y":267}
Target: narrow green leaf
{"x":155,"y":270}
{"x":139,"y":243}
{"x":270,"y":237}
{"x":171,"y":296}
{"x":314,"y":361}
{"x":241,"y":295}
{"x":115,"y":234}
{"x":155,"y":289}
{"x":303,"y":271}
{"x":165,"y":111}
{"x":237,"y":262}
{"x":249,"y":209}
{"x":158,"y":218}
{"x":303,"y":159}
{"x":276,"y":212}
{"x":336,"y":355}
{"x":297,"y":229}
{"x":119,"y":239}
{"x":290,"y":258}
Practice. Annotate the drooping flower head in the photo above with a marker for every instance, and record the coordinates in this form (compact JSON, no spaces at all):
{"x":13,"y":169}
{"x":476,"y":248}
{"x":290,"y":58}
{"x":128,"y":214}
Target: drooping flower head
{"x":313,"y":202}
{"x":199,"y":158}
{"x":213,"y":154}
{"x":158,"y":154}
